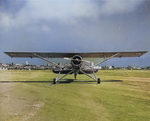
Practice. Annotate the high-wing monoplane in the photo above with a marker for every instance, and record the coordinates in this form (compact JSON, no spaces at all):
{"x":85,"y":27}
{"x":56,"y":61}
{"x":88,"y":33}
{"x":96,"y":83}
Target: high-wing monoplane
{"x":77,"y":63}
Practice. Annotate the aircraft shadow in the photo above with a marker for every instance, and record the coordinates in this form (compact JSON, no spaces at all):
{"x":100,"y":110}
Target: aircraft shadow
{"x":75,"y":81}
{"x":66,"y":81}
{"x":61,"y":82}
{"x":86,"y":82}
{"x":25,"y":81}
{"x":112,"y":81}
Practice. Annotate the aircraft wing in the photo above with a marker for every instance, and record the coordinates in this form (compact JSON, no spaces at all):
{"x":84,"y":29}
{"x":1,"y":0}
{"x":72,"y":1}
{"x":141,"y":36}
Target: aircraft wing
{"x":69,"y":55}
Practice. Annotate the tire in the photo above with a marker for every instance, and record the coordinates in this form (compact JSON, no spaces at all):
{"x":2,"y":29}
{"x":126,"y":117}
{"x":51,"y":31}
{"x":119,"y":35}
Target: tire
{"x":54,"y":81}
{"x":98,"y":81}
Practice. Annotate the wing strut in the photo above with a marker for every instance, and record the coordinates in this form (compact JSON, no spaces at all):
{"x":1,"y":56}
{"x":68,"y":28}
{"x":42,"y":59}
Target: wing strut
{"x":62,"y":76}
{"x":58,"y":78}
{"x":48,"y":61}
{"x":107,"y":59}
{"x":89,"y":75}
{"x":95,"y":78}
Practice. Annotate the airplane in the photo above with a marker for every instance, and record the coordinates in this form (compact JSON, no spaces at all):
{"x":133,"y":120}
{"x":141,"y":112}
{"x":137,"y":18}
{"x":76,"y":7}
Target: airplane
{"x":77,"y":64}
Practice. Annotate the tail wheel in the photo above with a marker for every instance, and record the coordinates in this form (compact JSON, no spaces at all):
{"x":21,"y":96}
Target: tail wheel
{"x":98,"y":81}
{"x":54,"y":81}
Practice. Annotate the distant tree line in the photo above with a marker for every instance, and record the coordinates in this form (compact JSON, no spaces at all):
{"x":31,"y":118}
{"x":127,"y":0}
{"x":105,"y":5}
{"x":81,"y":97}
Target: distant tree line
{"x":124,"y":68}
{"x":13,"y":66}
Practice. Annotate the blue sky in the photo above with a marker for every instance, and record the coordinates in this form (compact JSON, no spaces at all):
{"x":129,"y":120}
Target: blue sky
{"x":75,"y":26}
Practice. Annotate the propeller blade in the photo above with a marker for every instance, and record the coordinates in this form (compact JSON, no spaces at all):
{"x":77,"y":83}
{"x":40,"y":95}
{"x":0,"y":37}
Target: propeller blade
{"x":67,"y":58}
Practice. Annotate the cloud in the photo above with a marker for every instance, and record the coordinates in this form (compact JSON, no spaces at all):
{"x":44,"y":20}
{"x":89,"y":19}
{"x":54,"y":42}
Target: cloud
{"x":111,"y":7}
{"x":73,"y":25}
{"x":73,"y":22}
{"x":32,"y":13}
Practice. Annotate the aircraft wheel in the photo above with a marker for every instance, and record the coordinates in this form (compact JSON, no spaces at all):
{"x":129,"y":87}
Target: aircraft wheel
{"x":98,"y":81}
{"x":54,"y":81}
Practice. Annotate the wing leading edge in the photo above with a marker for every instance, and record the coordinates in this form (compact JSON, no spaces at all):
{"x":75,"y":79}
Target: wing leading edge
{"x":69,"y":55}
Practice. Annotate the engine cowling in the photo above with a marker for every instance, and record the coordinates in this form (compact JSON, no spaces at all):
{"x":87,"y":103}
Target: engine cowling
{"x":76,"y":61}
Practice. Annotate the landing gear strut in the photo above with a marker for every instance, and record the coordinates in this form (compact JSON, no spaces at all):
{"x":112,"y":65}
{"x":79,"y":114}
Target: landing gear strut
{"x":58,"y":78}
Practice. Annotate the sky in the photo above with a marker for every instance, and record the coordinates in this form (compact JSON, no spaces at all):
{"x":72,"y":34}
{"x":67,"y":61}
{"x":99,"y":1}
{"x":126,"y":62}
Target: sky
{"x":75,"y":26}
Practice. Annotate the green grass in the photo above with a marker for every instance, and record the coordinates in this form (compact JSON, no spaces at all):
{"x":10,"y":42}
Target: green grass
{"x":122,"y":95}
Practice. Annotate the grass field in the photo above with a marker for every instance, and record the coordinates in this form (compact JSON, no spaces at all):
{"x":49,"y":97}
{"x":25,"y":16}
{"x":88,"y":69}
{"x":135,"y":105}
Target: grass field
{"x":123,"y":95}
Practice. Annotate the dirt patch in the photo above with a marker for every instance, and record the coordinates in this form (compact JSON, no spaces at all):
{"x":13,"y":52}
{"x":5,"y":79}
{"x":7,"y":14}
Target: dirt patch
{"x":5,"y":75}
{"x":12,"y":106}
{"x":15,"y":108}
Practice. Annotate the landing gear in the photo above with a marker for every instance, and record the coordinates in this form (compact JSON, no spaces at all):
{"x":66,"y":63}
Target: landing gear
{"x":98,"y":81}
{"x":54,"y":81}
{"x":75,"y":75}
